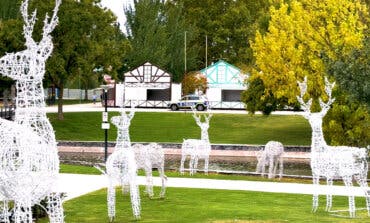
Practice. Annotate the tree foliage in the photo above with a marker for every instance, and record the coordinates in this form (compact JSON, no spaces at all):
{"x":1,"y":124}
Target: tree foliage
{"x":9,"y":9}
{"x":229,"y":26}
{"x":256,"y":99}
{"x":347,"y":122}
{"x":298,"y":35}
{"x":194,"y":82}
{"x":352,"y":73}
{"x":156,"y":31}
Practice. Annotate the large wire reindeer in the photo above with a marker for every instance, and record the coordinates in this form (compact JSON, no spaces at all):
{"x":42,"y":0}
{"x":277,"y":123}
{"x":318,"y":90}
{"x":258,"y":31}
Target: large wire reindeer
{"x":333,"y":161}
{"x":29,"y":160}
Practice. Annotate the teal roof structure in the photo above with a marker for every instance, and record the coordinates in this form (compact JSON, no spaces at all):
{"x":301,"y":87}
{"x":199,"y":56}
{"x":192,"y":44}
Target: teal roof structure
{"x":223,"y":75}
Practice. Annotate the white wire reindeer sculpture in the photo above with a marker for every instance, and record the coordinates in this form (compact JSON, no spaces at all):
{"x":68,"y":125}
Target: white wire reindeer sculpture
{"x":28,"y":152}
{"x":121,"y":165}
{"x":148,"y":157}
{"x":333,"y":161}
{"x":197,"y":148}
{"x":272,"y":156}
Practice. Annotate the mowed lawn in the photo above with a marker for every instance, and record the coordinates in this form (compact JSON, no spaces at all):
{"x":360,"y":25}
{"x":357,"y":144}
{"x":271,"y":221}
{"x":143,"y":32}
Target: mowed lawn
{"x":205,"y":205}
{"x":174,"y":127}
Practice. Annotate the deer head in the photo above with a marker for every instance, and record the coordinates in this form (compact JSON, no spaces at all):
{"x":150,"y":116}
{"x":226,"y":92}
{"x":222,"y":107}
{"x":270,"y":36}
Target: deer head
{"x":315,"y":118}
{"x":203,"y":125}
{"x":124,"y":120}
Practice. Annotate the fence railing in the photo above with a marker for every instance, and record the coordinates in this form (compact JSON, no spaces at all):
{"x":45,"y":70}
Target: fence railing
{"x":164,"y":104}
{"x":7,"y":112}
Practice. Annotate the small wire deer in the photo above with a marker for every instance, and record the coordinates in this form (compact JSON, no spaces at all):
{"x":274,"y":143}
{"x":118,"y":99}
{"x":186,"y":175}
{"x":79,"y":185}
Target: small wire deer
{"x":272,"y":156}
{"x":197,"y":148}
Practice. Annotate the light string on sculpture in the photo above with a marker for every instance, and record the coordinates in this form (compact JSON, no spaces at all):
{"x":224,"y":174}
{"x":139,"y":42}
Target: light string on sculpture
{"x":332,"y":162}
{"x":197,"y":148}
{"x":272,"y":156}
{"x":121,"y":165}
{"x":28,"y":153}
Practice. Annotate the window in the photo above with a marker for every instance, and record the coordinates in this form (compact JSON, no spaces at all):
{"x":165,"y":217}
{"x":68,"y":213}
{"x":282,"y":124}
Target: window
{"x":221,"y":74}
{"x":147,"y":73}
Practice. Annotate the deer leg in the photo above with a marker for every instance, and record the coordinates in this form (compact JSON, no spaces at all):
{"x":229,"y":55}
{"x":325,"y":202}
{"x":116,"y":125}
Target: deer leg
{"x":164,"y":179}
{"x":329,"y":196}
{"x":271,"y":168}
{"x":315,"y":197}
{"x":276,"y":163}
{"x":55,"y":208}
{"x":362,"y":181}
{"x":281,"y":166}
{"x":351,"y":200}
{"x":206,"y":161}
{"x":195,"y":164}
{"x":183,"y":158}
{"x":111,"y":198}
{"x":4,"y":217}
{"x":191,"y":164}
{"x":22,"y":212}
{"x":149,"y":182}
{"x":135,"y":199}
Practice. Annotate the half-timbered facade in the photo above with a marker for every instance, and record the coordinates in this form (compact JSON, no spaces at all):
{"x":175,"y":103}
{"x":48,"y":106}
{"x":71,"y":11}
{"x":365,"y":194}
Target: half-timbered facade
{"x":225,"y":82}
{"x":147,"y":83}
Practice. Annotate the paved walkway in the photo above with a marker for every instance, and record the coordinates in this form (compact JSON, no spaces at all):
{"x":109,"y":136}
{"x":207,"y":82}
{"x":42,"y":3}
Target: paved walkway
{"x":75,"y":185}
{"x":90,"y":107}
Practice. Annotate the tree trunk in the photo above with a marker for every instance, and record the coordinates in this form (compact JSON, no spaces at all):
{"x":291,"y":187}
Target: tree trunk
{"x":86,"y":94}
{"x":60,"y":102}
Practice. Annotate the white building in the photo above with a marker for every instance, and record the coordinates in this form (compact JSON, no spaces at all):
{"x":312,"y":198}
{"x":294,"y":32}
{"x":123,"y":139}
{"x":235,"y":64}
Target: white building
{"x":225,"y":84}
{"x":148,"y":84}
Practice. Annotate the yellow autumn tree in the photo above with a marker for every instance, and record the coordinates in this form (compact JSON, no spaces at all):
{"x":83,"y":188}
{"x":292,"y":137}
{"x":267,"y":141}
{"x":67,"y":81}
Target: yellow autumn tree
{"x":299,"y":34}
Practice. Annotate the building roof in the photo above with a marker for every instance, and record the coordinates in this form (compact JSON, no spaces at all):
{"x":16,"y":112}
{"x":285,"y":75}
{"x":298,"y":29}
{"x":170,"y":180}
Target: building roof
{"x":224,"y":75}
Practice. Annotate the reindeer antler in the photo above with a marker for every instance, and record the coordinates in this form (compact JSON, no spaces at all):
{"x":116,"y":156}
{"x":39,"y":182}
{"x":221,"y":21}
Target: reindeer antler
{"x":197,"y":118}
{"x":328,"y":90}
{"x":50,"y":26}
{"x":29,"y":23}
{"x":306,"y":106}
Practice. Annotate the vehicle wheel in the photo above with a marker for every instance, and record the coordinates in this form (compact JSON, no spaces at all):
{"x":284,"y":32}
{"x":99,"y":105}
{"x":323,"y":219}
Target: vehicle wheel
{"x":200,"y":107}
{"x":174,"y":107}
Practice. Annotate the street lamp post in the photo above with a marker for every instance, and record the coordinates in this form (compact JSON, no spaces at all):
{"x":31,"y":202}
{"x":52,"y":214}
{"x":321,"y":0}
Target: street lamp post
{"x":105,"y":123}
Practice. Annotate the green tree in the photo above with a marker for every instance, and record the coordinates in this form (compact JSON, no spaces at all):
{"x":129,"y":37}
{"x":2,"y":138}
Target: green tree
{"x":147,"y":33}
{"x":347,"y":122}
{"x":156,"y":31}
{"x":229,"y":26}
{"x":352,"y":73}
{"x":9,"y":9}
{"x":256,"y":99}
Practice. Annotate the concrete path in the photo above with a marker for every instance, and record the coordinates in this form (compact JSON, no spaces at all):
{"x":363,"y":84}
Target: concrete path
{"x":90,"y":107}
{"x":75,"y":185}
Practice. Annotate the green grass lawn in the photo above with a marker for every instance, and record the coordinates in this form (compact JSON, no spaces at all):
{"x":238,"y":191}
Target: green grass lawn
{"x":205,"y":205}
{"x":174,"y":127}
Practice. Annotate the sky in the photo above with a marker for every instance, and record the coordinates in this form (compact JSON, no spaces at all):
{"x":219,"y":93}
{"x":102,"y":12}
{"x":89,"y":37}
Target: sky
{"x":117,"y":8}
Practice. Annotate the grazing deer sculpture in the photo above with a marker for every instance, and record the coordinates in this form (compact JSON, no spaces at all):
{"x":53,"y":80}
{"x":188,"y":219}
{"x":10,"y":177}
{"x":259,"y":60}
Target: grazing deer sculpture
{"x":28,"y":154}
{"x":333,"y":161}
{"x":197,"y":148}
{"x":121,"y":165}
{"x":271,"y":155}
{"x":148,"y":157}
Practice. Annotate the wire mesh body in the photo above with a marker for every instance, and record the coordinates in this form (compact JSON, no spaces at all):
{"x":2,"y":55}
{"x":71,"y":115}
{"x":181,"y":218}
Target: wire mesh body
{"x":121,"y":165}
{"x":272,"y":156}
{"x":147,"y":158}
